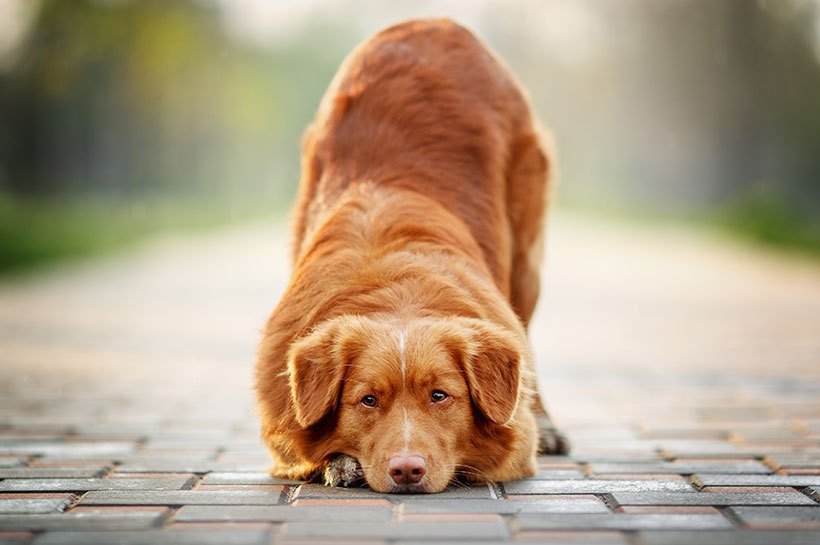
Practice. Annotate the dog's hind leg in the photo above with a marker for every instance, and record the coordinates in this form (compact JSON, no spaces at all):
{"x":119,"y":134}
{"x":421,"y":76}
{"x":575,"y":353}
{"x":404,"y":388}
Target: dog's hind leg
{"x":527,"y":190}
{"x":550,"y":439}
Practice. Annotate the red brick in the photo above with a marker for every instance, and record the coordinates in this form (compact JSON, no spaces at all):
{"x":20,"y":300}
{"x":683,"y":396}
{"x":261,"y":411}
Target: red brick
{"x":15,"y":537}
{"x":451,"y":517}
{"x":183,"y":526}
{"x":750,"y":489}
{"x":36,"y":496}
{"x":639,"y":477}
{"x":669,"y":509}
{"x":235,"y":487}
{"x":353,"y":502}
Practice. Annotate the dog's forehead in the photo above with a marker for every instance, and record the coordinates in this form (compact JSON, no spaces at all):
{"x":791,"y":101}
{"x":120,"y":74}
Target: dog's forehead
{"x":402,"y":352}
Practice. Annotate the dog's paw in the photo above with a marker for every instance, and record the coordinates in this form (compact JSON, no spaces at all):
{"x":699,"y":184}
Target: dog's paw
{"x":550,"y":440}
{"x":343,"y":470}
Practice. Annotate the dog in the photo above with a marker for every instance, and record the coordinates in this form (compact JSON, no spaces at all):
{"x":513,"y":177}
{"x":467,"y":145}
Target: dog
{"x":398,"y":355}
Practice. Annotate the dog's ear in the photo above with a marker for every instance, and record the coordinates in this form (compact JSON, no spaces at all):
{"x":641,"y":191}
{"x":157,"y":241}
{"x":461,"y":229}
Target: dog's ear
{"x":316,"y":365}
{"x":492,"y":366}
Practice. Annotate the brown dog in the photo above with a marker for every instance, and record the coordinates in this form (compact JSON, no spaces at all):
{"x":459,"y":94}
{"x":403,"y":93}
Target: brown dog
{"x":399,"y":349}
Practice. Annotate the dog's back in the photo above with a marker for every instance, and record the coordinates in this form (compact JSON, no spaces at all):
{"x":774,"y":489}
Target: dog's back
{"x":419,"y":223}
{"x":425,"y":106}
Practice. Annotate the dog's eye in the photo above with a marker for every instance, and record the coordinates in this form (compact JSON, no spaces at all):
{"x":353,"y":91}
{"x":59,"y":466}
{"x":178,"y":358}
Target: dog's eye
{"x":369,"y":401}
{"x":438,"y":396}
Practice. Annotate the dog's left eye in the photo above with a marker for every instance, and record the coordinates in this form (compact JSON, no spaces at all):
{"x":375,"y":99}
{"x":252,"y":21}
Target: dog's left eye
{"x":369,"y":401}
{"x":438,"y":396}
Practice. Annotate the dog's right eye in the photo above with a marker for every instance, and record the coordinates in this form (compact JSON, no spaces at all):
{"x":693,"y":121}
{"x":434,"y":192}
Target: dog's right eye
{"x":369,"y":401}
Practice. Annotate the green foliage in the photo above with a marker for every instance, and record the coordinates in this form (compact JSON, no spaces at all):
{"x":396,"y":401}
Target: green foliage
{"x":767,"y":217}
{"x":40,"y":231}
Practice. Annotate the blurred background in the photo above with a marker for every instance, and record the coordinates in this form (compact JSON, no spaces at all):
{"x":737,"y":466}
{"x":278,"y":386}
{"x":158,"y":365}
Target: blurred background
{"x":121,"y":119}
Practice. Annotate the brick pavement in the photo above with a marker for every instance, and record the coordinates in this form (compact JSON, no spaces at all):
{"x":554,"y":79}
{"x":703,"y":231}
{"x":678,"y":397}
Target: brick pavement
{"x":685,"y":370}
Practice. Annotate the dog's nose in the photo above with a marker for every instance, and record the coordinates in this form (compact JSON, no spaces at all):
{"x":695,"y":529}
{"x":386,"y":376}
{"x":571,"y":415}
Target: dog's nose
{"x":406,"y":469}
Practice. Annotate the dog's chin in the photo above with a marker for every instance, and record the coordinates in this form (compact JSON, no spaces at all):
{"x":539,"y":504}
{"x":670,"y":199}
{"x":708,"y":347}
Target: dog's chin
{"x":420,"y":488}
{"x":424,"y":487}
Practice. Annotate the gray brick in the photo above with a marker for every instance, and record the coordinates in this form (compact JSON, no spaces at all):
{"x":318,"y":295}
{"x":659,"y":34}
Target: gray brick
{"x":70,"y":450}
{"x":574,"y":537}
{"x":756,"y":480}
{"x":68,"y":521}
{"x":33,"y":505}
{"x":593,"y":486}
{"x":282,"y":513}
{"x":620,"y":521}
{"x":472,"y":531}
{"x":245,"y":478}
{"x":710,"y":498}
{"x":72,"y":485}
{"x":549,"y":504}
{"x":53,"y":472}
{"x":787,"y":517}
{"x":158,"y":537}
{"x":557,"y":475}
{"x":182,"y":497}
{"x":683,"y":467}
{"x":798,"y":460}
{"x":11,"y":461}
{"x":186,"y":466}
{"x":729,"y":537}
{"x":671,"y":448}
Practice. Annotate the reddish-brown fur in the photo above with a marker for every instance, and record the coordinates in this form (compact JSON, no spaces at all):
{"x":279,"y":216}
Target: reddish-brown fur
{"x":418,"y":224}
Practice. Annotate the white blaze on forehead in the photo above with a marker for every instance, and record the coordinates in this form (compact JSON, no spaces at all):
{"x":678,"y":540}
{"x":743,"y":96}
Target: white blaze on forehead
{"x":403,"y":356}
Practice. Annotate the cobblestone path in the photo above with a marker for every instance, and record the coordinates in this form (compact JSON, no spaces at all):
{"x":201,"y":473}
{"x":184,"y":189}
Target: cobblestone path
{"x":685,"y":370}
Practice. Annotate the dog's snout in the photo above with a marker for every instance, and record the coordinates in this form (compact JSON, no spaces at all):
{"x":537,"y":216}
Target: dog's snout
{"x":406,"y":469}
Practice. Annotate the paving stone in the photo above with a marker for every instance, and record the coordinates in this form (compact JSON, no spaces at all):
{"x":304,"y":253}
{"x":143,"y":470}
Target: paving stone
{"x":473,"y":531}
{"x":245,"y":478}
{"x":186,"y":466}
{"x":15,"y":537}
{"x":681,"y":509}
{"x":703,"y":498}
{"x":52,"y":473}
{"x":755,"y":480}
{"x":73,"y":485}
{"x":321,"y":491}
{"x":620,"y":521}
{"x":11,"y":461}
{"x":733,"y":537}
{"x":181,"y":497}
{"x":556,"y":475}
{"x":550,"y":504}
{"x":814,"y":492}
{"x":84,"y":519}
{"x":684,"y":467}
{"x":778,"y":517}
{"x":34,"y":503}
{"x":158,"y":537}
{"x":595,"y":486}
{"x":281,"y":513}
{"x":809,"y":460}
{"x":700,"y":449}
{"x":348,"y":502}
{"x":70,"y":450}
{"x":578,"y":537}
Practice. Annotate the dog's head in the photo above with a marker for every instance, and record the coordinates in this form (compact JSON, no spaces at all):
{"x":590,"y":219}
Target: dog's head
{"x":405,"y":399}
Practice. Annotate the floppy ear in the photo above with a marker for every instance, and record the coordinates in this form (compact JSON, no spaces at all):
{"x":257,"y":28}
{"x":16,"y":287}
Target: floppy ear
{"x":316,"y":366}
{"x":491,"y":362}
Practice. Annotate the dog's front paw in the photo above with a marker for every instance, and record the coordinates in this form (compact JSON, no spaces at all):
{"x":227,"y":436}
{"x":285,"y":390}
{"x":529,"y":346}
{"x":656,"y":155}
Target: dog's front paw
{"x":343,"y":470}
